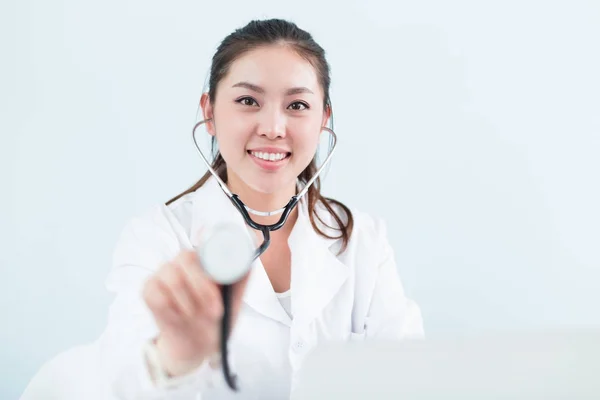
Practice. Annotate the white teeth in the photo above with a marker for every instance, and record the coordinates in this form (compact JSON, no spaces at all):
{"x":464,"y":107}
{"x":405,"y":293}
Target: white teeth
{"x":269,"y":156}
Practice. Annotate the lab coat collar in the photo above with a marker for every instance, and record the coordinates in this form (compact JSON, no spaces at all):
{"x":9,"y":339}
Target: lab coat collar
{"x":316,"y":274}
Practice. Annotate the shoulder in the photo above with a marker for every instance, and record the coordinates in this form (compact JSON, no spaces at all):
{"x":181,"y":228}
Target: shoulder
{"x":368,"y":224}
{"x":148,"y":239}
{"x":369,"y":237}
{"x":183,"y":209}
{"x":156,"y":233}
{"x":368,"y":230}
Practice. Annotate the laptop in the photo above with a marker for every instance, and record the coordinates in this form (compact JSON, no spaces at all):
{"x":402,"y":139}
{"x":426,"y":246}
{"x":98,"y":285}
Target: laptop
{"x":542,"y":365}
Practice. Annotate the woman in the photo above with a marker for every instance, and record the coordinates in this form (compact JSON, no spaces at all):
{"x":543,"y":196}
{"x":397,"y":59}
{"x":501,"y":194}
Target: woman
{"x":328,"y":274}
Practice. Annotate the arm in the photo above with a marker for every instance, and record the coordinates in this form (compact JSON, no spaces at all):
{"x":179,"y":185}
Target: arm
{"x":144,"y":245}
{"x":390,"y":314}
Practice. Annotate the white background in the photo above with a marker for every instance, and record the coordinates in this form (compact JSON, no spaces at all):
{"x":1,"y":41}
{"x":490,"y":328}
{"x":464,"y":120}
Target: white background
{"x":473,"y":128}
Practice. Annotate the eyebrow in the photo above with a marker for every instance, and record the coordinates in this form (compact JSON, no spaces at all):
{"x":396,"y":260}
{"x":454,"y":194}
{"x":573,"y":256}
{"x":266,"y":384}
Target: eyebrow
{"x":258,"y":89}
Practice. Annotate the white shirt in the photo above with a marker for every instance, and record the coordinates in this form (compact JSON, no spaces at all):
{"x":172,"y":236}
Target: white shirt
{"x":285,"y":299}
{"x":356,"y":295}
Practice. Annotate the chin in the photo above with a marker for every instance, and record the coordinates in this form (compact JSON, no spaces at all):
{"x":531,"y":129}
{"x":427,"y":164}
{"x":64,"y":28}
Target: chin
{"x":268,"y":187}
{"x":269,"y":183}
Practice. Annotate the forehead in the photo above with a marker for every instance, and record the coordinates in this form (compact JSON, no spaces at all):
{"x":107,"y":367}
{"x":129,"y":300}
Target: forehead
{"x":274,"y":68}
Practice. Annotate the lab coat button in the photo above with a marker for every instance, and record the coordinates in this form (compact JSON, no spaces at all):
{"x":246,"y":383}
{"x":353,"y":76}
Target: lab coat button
{"x":299,"y":345}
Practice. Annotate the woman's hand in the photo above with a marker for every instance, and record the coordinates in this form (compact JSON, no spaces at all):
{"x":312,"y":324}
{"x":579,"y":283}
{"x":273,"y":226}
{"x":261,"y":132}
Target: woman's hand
{"x":187,"y":306}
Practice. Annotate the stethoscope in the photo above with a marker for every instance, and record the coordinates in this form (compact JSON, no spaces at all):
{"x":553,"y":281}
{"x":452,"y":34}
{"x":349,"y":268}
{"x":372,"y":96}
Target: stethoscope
{"x":227,"y":266}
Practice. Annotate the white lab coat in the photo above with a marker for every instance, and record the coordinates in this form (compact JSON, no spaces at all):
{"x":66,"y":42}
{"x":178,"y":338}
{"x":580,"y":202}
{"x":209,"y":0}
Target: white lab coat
{"x":353,"y":296}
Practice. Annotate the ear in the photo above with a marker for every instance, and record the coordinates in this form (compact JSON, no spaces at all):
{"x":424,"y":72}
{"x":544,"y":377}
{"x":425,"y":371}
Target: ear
{"x":326,"y":115}
{"x":207,"y":113}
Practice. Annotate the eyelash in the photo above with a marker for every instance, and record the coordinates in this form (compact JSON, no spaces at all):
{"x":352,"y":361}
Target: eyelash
{"x":242,"y":102}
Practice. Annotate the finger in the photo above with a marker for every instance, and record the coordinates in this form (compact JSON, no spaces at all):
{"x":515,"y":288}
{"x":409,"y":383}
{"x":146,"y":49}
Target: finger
{"x":175,"y":282}
{"x":159,"y":302}
{"x":196,"y":278}
{"x":214,"y":303}
{"x":205,"y":292}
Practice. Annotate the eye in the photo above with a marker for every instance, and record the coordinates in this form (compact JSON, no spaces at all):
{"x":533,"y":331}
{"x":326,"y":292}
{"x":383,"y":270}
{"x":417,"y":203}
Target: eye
{"x":247,"y":101}
{"x":298,"y":106}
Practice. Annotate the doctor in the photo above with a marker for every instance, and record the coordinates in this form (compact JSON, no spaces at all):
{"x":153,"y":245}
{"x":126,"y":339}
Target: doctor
{"x":328,"y":274}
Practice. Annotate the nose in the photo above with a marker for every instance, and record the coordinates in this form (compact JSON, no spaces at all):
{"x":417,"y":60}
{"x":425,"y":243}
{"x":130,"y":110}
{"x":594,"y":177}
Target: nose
{"x":272,"y":123}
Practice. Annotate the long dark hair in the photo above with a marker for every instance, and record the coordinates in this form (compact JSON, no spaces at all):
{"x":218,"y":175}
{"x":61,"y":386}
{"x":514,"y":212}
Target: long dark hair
{"x":263,"y":33}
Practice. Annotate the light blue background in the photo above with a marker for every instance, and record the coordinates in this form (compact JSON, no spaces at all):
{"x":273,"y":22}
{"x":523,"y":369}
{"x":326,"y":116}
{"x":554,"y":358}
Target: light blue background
{"x":472,"y":127}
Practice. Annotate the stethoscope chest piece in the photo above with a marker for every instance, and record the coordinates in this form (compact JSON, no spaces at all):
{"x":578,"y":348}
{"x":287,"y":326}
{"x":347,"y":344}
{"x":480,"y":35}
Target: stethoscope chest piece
{"x":227,"y":253}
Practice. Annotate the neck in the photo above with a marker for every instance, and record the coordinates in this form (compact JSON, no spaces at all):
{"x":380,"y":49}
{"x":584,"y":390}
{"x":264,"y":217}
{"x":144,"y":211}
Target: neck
{"x":260,"y":201}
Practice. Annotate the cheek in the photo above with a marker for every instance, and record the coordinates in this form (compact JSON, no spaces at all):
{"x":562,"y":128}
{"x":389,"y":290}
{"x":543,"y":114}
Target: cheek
{"x":232,"y":137}
{"x":305,"y":145}
{"x":231,"y":129}
{"x":308,"y":139}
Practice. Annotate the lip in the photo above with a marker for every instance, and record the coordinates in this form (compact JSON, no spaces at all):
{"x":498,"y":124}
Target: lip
{"x":269,"y":165}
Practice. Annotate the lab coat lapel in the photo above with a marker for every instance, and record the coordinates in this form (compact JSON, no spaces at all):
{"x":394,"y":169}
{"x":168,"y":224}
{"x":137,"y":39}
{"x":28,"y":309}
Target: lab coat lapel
{"x":261,"y":297}
{"x":212,"y":206}
{"x":317,"y":273}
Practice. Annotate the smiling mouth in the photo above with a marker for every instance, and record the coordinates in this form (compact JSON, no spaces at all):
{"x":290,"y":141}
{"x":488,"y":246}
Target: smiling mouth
{"x":271,"y":157}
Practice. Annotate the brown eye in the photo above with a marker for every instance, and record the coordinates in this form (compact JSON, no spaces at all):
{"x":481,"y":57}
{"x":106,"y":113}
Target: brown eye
{"x":247,"y":101}
{"x":298,"y":106}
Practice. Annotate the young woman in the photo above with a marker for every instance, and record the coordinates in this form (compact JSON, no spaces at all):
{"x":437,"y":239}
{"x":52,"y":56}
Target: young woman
{"x":328,"y":274}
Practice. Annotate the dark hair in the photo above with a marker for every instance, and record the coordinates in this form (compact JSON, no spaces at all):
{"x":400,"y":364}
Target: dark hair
{"x":270,"y":32}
